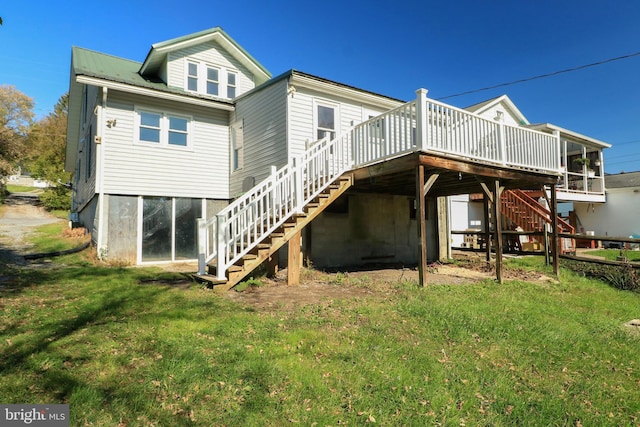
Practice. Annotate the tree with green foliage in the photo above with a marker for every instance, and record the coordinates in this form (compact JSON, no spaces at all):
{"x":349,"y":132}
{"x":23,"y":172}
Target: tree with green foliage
{"x":16,"y":117}
{"x":46,"y":155}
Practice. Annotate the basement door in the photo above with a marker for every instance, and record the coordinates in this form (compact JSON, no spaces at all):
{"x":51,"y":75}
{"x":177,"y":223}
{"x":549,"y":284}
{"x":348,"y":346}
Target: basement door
{"x":169,"y":228}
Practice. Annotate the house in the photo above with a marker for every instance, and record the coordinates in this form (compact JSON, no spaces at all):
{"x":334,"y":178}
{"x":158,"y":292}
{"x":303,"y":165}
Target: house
{"x":198,"y":153}
{"x":618,"y":217}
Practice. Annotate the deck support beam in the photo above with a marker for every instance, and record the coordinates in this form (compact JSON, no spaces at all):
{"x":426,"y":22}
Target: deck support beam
{"x":294,"y":260}
{"x":555,"y":255}
{"x":487,"y":201}
{"x":497,"y":228}
{"x":422,"y":230}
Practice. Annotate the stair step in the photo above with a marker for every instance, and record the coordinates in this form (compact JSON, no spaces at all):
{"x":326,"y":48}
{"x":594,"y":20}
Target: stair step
{"x":209,"y":279}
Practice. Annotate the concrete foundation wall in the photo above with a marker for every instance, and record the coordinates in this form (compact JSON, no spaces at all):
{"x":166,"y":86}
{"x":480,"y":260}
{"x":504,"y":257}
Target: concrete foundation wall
{"x":375,"y":228}
{"x":121,"y":228}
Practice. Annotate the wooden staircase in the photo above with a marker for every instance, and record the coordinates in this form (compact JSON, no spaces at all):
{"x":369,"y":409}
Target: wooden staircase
{"x":522,"y":210}
{"x":274,"y":241}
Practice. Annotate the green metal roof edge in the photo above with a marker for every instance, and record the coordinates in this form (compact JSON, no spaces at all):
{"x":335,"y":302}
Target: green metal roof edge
{"x":128,"y":66}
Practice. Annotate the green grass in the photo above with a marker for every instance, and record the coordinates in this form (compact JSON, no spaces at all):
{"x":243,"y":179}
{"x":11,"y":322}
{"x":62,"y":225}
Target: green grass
{"x":612,"y":254}
{"x":48,"y":238}
{"x":12,"y":188}
{"x":123,"y":347}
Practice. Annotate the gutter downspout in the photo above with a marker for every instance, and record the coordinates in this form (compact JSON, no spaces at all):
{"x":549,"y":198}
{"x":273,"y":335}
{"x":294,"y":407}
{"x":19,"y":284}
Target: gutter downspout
{"x":100,"y":171}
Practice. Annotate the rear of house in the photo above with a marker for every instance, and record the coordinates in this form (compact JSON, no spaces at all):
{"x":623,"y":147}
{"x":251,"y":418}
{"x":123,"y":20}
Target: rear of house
{"x":194,"y":130}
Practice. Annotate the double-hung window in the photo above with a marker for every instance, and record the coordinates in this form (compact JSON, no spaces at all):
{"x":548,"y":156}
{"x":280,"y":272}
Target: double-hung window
{"x":211,"y":80}
{"x":163,"y":129}
{"x":326,"y":122}
{"x":231,"y":85}
{"x":192,"y":76}
{"x":150,"y":126}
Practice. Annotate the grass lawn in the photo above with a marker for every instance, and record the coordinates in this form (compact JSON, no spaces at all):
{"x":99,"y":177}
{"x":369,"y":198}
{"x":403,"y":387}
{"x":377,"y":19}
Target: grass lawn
{"x":612,"y":254}
{"x":124,"y":347}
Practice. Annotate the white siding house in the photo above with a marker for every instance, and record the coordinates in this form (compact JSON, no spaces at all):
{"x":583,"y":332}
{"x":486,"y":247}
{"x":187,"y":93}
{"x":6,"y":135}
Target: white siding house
{"x":196,"y":130}
{"x":620,"y":215}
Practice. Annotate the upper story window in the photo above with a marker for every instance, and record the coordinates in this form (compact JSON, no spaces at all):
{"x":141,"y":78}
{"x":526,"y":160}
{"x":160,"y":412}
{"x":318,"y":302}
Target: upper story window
{"x":192,"y":76}
{"x":231,"y":85}
{"x":213,"y":81}
{"x":210,"y":80}
{"x":163,"y":129}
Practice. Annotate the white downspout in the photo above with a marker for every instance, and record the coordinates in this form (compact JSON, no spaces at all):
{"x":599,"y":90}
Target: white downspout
{"x":100,"y":170}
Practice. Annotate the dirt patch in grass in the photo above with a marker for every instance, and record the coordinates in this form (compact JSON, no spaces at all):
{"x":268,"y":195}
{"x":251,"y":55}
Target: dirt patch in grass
{"x":317,"y":286}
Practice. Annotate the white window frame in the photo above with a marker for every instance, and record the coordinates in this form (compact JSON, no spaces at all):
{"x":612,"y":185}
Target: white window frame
{"x":336,"y":117}
{"x":233,"y":86}
{"x":189,"y":76}
{"x":237,"y":146}
{"x":164,"y":129}
{"x":202,"y":77}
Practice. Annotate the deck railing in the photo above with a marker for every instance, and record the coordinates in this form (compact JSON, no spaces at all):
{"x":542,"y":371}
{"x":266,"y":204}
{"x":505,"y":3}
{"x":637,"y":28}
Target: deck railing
{"x":421,"y":125}
{"x":432,"y":126}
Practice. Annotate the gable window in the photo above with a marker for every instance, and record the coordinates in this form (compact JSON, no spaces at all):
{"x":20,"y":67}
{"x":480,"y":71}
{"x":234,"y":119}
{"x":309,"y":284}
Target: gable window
{"x":326,"y":120}
{"x":163,"y":129}
{"x":231,"y":85}
{"x":192,"y":76}
{"x":212,"y":81}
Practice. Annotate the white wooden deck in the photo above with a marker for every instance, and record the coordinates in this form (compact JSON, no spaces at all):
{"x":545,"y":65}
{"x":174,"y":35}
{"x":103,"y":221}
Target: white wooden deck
{"x":422,"y":125}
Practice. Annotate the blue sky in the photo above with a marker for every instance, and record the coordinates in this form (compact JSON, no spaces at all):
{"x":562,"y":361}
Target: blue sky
{"x":388,"y":47}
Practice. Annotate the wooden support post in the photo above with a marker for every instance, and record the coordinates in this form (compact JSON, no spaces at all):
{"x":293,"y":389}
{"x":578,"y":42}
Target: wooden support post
{"x":422,"y":231}
{"x":497,"y":229}
{"x":295,"y":260}
{"x":487,"y":231}
{"x":487,"y":199}
{"x":554,"y":232}
{"x":444,"y":244}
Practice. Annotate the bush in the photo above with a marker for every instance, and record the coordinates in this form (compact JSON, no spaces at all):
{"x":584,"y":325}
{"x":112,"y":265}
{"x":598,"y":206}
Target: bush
{"x":624,"y":277}
{"x":56,"y":198}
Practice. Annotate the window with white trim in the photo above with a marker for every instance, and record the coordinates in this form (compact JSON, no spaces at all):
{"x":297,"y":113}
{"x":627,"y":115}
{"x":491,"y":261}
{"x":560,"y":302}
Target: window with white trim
{"x":192,"y":76}
{"x":237,"y":150}
{"x":211,"y":80}
{"x":231,"y":84}
{"x":326,"y":121}
{"x":163,"y":129}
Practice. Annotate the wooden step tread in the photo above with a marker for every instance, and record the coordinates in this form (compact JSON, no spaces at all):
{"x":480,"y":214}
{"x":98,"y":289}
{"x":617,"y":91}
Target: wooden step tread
{"x":209,"y":279}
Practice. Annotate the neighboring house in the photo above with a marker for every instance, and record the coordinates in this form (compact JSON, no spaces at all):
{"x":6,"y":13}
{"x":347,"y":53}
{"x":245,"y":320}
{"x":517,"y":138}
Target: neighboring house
{"x":197,"y":153}
{"x":581,"y":183}
{"x":620,"y":215}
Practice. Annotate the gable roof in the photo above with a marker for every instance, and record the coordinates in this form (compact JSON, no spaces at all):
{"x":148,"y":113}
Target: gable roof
{"x":158,"y":53}
{"x":505,"y":101}
{"x":622,"y":180}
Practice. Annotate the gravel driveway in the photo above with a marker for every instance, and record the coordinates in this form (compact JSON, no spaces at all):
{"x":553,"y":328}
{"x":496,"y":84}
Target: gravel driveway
{"x":19,"y":215}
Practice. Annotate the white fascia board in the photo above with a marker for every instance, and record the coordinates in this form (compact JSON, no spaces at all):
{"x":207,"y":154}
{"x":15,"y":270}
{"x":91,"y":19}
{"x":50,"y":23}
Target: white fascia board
{"x":587,"y":140}
{"x":216,"y":37}
{"x":153,"y":93}
{"x":345,"y":92}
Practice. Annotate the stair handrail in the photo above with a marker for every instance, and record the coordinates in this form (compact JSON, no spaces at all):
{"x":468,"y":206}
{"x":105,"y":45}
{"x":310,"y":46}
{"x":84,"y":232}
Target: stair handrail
{"x":543,"y":211}
{"x":248,"y":220}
